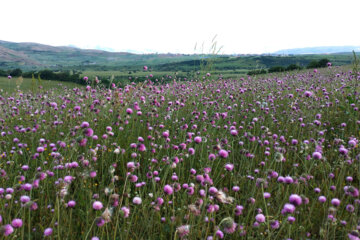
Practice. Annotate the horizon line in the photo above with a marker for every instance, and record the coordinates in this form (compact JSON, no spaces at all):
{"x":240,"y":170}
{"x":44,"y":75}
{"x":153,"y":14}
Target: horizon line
{"x":137,"y":52}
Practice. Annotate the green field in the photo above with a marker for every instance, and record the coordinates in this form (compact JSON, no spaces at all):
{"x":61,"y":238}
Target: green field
{"x":129,"y":76}
{"x":11,"y":85}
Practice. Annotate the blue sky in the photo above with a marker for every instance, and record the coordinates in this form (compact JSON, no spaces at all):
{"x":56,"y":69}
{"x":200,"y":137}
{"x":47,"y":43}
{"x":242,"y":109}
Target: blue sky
{"x":254,"y":26}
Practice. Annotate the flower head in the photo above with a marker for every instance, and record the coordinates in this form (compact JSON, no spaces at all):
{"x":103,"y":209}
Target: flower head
{"x":335,"y":202}
{"x":48,"y":232}
{"x":295,"y":199}
{"x":17,"y":223}
{"x":168,"y":189}
{"x":223,"y":153}
{"x":97,"y":205}
{"x":183,"y":230}
{"x":137,"y":200}
{"x":260,"y":218}
{"x":6,"y":230}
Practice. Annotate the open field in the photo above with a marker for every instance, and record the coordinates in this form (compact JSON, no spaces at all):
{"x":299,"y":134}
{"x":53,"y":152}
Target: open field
{"x":265,"y":157}
{"x":26,"y":84}
{"x":129,"y":76}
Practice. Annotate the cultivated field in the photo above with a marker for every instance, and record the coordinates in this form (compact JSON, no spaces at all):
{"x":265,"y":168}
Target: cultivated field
{"x":270,"y":157}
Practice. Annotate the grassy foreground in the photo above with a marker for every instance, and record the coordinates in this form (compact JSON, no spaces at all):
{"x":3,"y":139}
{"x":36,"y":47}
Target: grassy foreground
{"x":249,"y":158}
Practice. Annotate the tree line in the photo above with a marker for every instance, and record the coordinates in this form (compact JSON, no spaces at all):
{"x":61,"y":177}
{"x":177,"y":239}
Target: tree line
{"x":313,"y":64}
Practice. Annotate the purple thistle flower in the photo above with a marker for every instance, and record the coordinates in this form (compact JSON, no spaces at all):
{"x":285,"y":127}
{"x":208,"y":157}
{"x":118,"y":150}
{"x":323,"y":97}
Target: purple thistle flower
{"x":288,"y":208}
{"x":197,"y":139}
{"x":191,"y":151}
{"x":40,"y":149}
{"x":335,"y":202}
{"x":97,"y":205}
{"x":212,"y":156}
{"x":129,"y":111}
{"x":24,"y":199}
{"x":89,"y":132}
{"x":295,"y":199}
{"x":322,"y":199}
{"x":229,"y":167}
{"x":7,"y":230}
{"x":126,"y":212}
{"x":17,"y":223}
{"x":168,"y":189}
{"x":223,"y":153}
{"x":219,"y":234}
{"x":85,"y":125}
{"x":308,"y":94}
{"x":317,"y":155}
{"x":260,"y":218}
{"x":238,"y":210}
{"x":48,"y":232}
{"x":275,"y":224}
{"x":291,"y":219}
{"x":71,"y":204}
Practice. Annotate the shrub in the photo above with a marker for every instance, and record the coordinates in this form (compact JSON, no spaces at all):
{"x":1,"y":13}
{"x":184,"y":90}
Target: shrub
{"x":313,"y":64}
{"x":277,"y":69}
{"x":318,"y":64}
{"x":323,"y":62}
{"x":292,"y":67}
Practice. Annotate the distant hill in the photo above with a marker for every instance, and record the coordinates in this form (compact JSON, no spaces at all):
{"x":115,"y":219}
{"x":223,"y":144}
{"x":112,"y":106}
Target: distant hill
{"x":256,"y":62}
{"x":319,"y":50}
{"x":38,"y":56}
{"x":34,"y":56}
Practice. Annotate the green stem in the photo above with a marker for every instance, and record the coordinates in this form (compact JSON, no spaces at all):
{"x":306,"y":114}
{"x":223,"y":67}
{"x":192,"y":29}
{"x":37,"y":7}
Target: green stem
{"x":266,"y":211}
{"x":58,"y":217}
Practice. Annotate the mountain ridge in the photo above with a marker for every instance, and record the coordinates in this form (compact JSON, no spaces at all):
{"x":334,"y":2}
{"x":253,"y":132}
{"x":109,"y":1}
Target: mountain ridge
{"x":31,"y":55}
{"x":35,"y":56}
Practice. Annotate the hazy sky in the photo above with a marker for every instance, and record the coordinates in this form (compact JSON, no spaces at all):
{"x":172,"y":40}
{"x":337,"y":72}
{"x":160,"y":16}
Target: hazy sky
{"x":252,"y":26}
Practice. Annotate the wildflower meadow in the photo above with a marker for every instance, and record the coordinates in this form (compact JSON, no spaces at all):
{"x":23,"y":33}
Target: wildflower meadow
{"x":261,"y":157}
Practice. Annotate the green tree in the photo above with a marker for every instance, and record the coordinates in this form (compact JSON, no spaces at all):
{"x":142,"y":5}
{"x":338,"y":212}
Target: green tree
{"x":323,"y":62}
{"x":277,"y":69}
{"x":318,"y":64}
{"x":292,"y":67}
{"x":313,"y":64}
{"x":16,"y":72}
